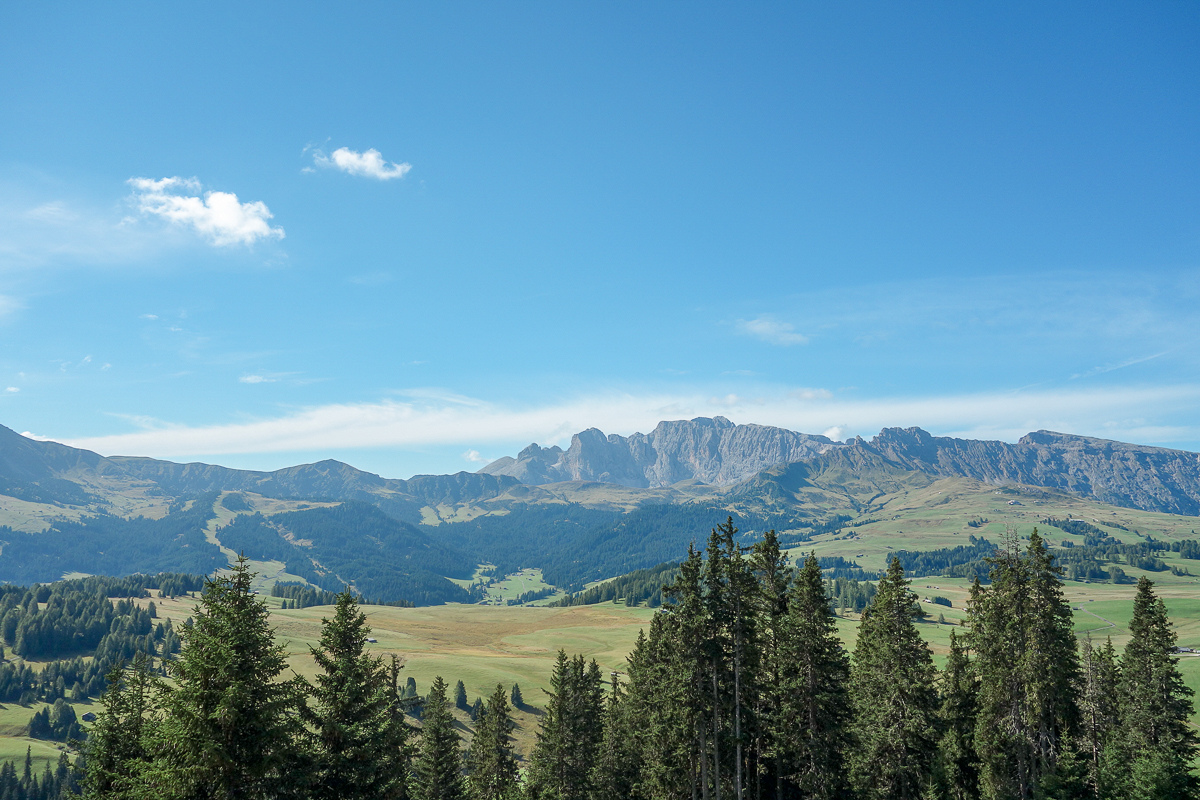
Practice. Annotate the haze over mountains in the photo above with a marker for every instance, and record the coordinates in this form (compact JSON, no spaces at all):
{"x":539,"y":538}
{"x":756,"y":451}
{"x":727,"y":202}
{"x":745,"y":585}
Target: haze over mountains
{"x":711,"y":452}
{"x":626,"y":502}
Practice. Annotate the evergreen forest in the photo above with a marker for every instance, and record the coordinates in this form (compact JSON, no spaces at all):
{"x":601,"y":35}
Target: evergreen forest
{"x":739,"y":689}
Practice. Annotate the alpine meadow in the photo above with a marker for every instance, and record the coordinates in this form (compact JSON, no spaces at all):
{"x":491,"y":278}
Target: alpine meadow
{"x":626,"y":401}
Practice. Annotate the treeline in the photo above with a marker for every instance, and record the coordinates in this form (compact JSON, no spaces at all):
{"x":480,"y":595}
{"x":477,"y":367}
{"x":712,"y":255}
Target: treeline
{"x":963,"y":561}
{"x":230,"y":725}
{"x":78,"y":614}
{"x":381,"y":556}
{"x":742,"y":688}
{"x":53,"y":784}
{"x":550,"y":538}
{"x":531,"y":596}
{"x":113,"y":546}
{"x":77,"y":624}
{"x":638,"y":587}
{"x":1098,"y":558}
{"x":299,"y":595}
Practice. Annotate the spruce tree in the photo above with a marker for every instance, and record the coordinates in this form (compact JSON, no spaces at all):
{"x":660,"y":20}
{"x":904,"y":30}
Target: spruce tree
{"x":570,"y":732}
{"x":1155,"y":706}
{"x":438,"y":765}
{"x":119,"y":746}
{"x":957,"y":766}
{"x":360,"y":747}
{"x":229,"y":724}
{"x":517,"y":700}
{"x":662,"y":721}
{"x":770,"y":564}
{"x":816,"y":673}
{"x":491,"y":765}
{"x":460,"y":697}
{"x":616,"y":772}
{"x":891,"y":688}
{"x":1027,"y":664}
{"x":1099,"y":721}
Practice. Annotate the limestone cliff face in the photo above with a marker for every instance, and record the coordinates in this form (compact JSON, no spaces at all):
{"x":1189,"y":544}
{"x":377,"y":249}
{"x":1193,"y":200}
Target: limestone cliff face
{"x":712,"y":451}
{"x":1130,"y":475}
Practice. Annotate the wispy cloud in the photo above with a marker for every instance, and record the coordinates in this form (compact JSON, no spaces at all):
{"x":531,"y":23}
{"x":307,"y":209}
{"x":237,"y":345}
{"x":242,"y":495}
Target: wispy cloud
{"x":429,"y":418}
{"x":219,"y":217}
{"x":771,"y":330}
{"x":370,"y":164}
{"x":474,"y":457}
{"x":1121,"y":365}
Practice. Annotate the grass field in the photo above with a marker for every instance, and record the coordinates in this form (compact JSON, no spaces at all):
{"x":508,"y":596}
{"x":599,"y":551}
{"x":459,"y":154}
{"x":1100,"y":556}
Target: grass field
{"x":485,"y":645}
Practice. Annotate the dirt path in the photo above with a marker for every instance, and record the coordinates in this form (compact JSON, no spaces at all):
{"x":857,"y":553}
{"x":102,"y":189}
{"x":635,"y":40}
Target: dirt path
{"x":1110,"y":624}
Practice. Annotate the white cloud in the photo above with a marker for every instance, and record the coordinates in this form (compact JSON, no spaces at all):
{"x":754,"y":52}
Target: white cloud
{"x":365,"y":165}
{"x":837,"y":433}
{"x":149,"y":316}
{"x":12,"y":390}
{"x":217,"y":216}
{"x":474,"y":457}
{"x":771,"y":330}
{"x":432,"y":419}
{"x":255,"y":379}
{"x":8,"y":305}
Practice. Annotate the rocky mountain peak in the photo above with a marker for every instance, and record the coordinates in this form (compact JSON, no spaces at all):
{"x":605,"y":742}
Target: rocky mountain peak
{"x":711,"y":450}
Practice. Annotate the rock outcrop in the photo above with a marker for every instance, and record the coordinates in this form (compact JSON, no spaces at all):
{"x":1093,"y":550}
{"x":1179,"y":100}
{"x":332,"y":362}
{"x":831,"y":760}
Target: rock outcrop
{"x":712,"y":451}
{"x":1130,"y":475}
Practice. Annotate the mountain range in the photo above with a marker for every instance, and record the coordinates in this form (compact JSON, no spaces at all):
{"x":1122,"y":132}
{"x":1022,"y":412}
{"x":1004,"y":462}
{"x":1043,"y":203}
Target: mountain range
{"x":629,"y":500}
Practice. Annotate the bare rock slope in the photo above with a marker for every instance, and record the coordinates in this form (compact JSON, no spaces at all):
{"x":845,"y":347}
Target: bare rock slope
{"x":712,"y":451}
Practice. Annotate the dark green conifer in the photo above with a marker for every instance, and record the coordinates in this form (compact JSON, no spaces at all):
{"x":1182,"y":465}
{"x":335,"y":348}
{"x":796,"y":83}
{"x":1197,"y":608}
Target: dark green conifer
{"x":360,"y":747}
{"x":957,"y":766}
{"x":1028,"y":667}
{"x":119,"y":744}
{"x":1156,"y":740}
{"x":816,"y":705}
{"x":517,"y":700}
{"x":491,"y":764}
{"x":460,"y":697}
{"x":438,"y":764}
{"x":230,"y":724}
{"x":774,"y":729}
{"x":1099,"y":720}
{"x":616,"y":772}
{"x":570,"y":732}
{"x":891,"y":688}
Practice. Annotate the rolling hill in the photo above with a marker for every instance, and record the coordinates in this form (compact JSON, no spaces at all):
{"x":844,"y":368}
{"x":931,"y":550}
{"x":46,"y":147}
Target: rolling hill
{"x":631,"y":503}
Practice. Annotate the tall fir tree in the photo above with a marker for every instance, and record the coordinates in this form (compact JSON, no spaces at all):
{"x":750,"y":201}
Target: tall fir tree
{"x":1027,"y":663}
{"x":438,"y":765}
{"x":1157,"y":741}
{"x":957,"y":765}
{"x":892,"y":691}
{"x":770,"y":564}
{"x":118,"y":749}
{"x":1099,"y":705}
{"x":663,"y":718}
{"x":491,"y":764}
{"x":616,"y":771}
{"x":816,"y":675}
{"x":229,"y":728}
{"x":570,"y":732}
{"x":360,"y":743}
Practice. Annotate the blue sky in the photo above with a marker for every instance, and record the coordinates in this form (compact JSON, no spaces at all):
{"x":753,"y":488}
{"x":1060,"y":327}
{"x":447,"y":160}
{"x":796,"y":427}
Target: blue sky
{"x":418,"y":237}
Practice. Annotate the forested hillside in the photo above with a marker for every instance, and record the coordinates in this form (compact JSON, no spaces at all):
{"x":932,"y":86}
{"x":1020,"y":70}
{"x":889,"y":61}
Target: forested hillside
{"x":113,"y":545}
{"x":573,"y":545}
{"x":357,"y":543}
